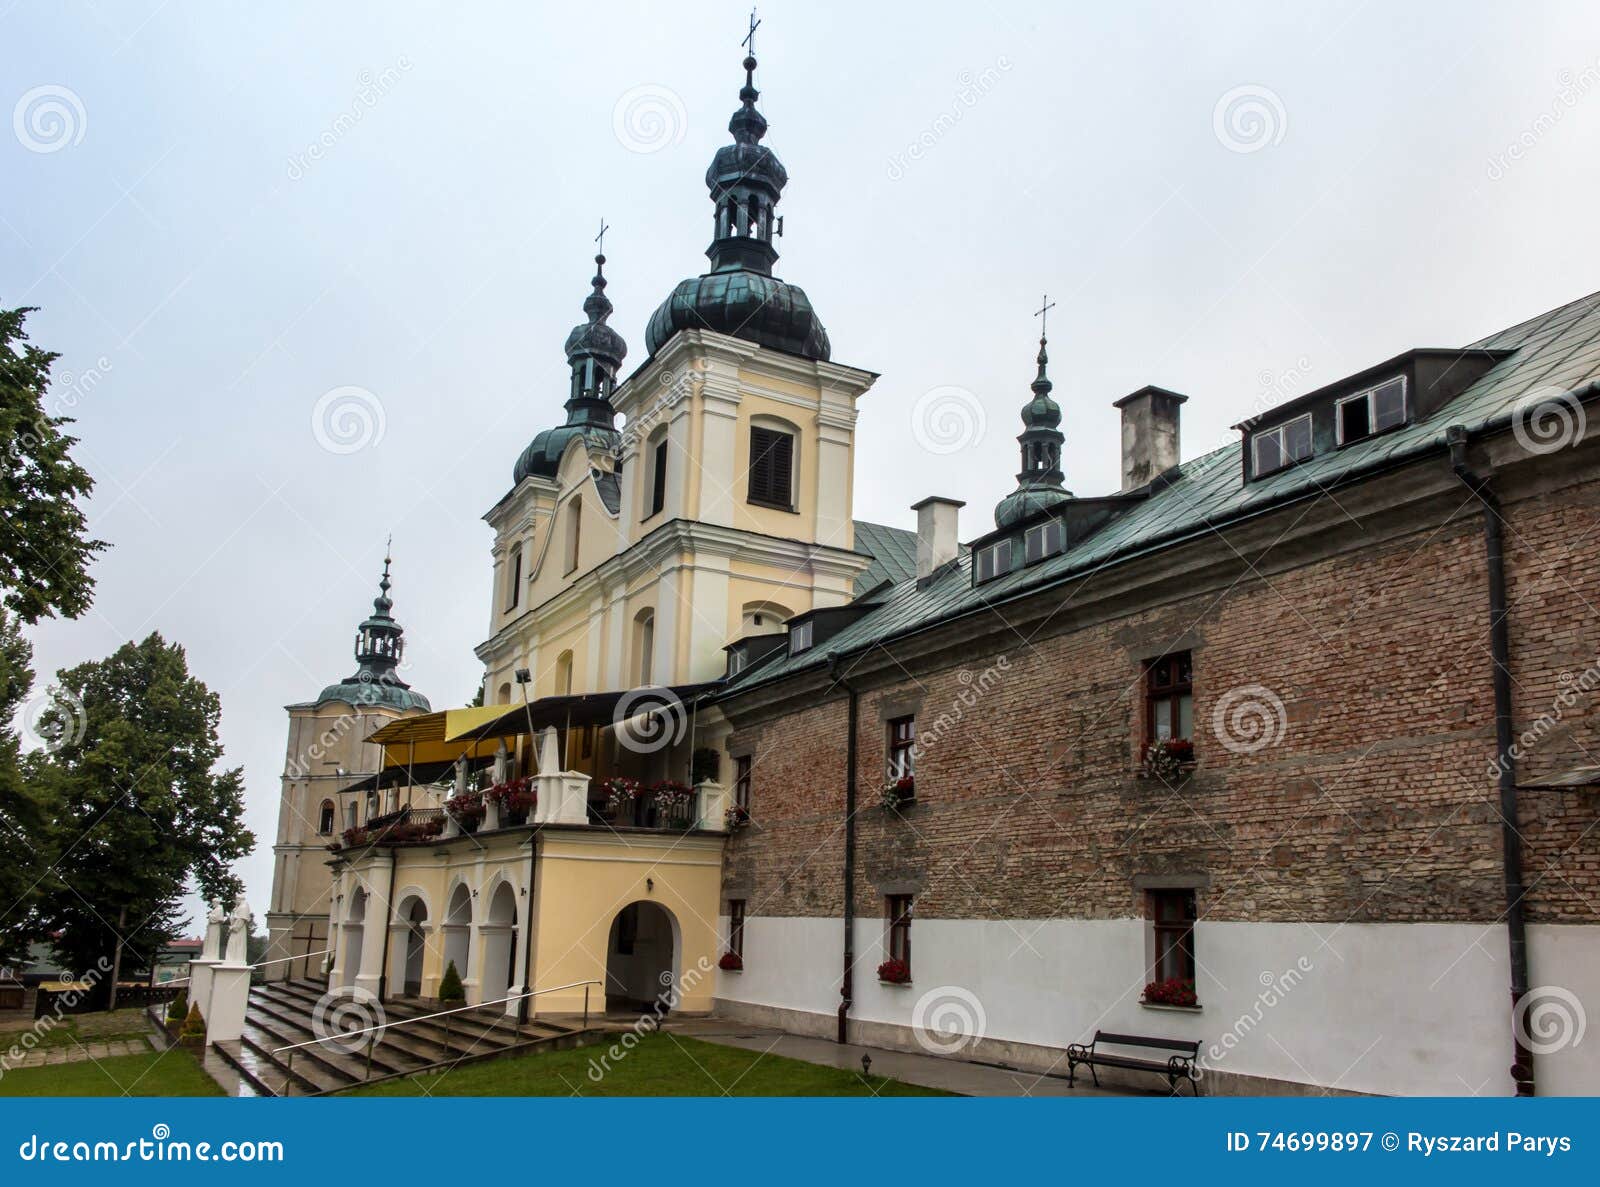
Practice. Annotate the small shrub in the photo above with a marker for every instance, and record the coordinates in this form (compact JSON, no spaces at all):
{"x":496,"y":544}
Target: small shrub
{"x":178,"y":1007}
{"x":450,"y":987}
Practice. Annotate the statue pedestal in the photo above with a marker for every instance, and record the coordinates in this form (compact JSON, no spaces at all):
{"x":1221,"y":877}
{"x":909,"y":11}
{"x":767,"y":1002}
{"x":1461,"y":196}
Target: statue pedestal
{"x":230,"y":997}
{"x":200,"y":983}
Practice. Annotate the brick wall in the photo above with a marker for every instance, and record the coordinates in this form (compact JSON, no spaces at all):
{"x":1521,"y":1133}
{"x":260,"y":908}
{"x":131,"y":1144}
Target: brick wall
{"x":1374,"y":800}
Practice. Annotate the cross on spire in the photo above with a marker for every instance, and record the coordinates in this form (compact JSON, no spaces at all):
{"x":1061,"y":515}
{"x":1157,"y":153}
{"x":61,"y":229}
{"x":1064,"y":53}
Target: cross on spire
{"x":1043,"y":313}
{"x":749,"y":41}
{"x":600,"y":239}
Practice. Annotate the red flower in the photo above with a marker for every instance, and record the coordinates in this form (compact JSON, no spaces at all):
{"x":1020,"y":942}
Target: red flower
{"x":897,"y":972}
{"x":731,"y":961}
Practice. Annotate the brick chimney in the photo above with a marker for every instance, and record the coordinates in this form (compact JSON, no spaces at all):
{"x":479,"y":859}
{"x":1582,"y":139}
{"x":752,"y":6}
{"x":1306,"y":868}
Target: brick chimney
{"x":938,"y":542}
{"x":1150,"y":445}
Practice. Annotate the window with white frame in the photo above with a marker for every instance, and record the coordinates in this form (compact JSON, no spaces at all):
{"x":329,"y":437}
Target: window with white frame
{"x":1042,"y":540}
{"x":1374,"y":411}
{"x":800,"y":636}
{"x":992,"y":561}
{"x":1274,"y":448}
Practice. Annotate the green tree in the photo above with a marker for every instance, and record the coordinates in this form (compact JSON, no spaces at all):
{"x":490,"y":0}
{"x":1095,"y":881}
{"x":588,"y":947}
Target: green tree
{"x":44,"y":548}
{"x":450,"y":987}
{"x":26,"y":818}
{"x":144,"y":812}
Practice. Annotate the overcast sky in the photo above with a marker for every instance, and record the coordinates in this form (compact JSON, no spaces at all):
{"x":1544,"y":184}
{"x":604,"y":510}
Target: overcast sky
{"x":226,"y":215}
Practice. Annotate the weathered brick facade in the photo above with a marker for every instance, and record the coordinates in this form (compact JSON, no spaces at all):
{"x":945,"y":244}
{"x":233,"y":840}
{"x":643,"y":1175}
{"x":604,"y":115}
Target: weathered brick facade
{"x":1377,"y":802}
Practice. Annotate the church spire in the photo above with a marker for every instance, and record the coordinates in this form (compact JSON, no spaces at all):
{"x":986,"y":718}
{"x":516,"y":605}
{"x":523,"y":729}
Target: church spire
{"x":380,"y":640}
{"x":594,"y":352}
{"x":746,"y":179}
{"x":1039,"y":482}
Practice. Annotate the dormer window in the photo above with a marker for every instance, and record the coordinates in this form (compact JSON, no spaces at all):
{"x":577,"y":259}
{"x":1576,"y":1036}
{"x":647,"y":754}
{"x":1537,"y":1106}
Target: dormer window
{"x":737,"y":660}
{"x":1374,"y":411}
{"x":1277,"y":447}
{"x":1042,"y":540}
{"x":800,"y":636}
{"x":992,"y":561}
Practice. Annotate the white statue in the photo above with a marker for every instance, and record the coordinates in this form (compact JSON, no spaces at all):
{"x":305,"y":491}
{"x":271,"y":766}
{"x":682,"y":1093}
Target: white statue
{"x":216,"y":920}
{"x":238,"y":932}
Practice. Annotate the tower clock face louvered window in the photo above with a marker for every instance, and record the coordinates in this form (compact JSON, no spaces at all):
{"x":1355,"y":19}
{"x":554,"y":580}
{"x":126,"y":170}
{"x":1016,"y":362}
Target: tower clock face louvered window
{"x":772,"y":468}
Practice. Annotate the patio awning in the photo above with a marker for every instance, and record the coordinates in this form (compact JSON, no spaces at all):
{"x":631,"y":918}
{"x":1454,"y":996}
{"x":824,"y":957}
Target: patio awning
{"x":594,"y":708}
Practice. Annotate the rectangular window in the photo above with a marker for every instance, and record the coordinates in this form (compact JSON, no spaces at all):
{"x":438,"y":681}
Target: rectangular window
{"x":515,"y":592}
{"x":899,"y":912}
{"x":902,"y":747}
{"x":1371,"y":412}
{"x":1275,"y":448}
{"x":350,"y":814}
{"x":741,"y":782}
{"x":800,"y":636}
{"x":736,"y":926}
{"x":772,"y":468}
{"x":737,"y":659}
{"x":574,"y":533}
{"x":1042,"y":540}
{"x":1172,"y":917}
{"x":658,"y":479}
{"x":993,"y":561}
{"x":1169,"y":697}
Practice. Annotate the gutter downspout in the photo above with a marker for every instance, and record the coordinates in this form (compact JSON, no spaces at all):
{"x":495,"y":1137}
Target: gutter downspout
{"x":847,"y":990}
{"x":1505,"y":756}
{"x":388,"y":927}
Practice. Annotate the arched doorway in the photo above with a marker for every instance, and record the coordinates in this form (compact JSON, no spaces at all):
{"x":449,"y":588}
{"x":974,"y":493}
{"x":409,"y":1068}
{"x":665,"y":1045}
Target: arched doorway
{"x":642,"y":959}
{"x":409,"y":946}
{"x":499,"y":944}
{"x":458,"y":931}
{"x":353,"y":925}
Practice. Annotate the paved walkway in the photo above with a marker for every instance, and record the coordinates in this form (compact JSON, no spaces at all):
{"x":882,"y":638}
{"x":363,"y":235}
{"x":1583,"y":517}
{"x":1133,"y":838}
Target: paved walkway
{"x":929,"y":1071}
{"x":78,"y":1052}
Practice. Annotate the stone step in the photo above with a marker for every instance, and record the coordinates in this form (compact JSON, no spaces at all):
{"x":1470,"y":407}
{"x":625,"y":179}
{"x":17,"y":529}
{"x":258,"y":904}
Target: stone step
{"x":290,"y":1030}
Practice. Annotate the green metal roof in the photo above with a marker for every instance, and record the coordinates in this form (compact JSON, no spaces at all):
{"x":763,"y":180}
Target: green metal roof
{"x":1559,"y":350}
{"x":893,"y":552}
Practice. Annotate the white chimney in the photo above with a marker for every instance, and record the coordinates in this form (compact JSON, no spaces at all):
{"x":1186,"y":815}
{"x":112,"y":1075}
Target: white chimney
{"x":1150,"y":445}
{"x":938,"y":542}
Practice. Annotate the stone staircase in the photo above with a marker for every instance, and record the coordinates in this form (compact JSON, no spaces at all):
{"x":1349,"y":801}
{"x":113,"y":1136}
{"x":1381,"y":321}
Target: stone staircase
{"x":281,"y":1014}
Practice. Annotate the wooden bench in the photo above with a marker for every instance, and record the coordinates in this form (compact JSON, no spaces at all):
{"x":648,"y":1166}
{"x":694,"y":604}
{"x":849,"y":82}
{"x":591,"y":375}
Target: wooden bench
{"x":1175,"y":1067}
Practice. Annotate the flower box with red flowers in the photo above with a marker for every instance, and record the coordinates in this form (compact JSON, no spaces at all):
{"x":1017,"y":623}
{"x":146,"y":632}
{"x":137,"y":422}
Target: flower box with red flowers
{"x":351,"y":837}
{"x":731,"y":962}
{"x":736,"y":817}
{"x":516,"y":797}
{"x":1175,"y":991}
{"x":1168,"y":758}
{"x":897,"y":793}
{"x":894,"y":972}
{"x":620,"y":792}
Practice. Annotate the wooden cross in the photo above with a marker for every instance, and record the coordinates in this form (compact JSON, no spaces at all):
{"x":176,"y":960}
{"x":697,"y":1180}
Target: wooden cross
{"x":749,"y":41}
{"x":600,"y":239}
{"x":1043,"y":313}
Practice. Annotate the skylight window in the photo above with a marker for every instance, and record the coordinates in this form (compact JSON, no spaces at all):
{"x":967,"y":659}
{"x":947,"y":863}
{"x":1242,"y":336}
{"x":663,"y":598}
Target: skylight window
{"x":1280,"y":445}
{"x":1374,"y":411}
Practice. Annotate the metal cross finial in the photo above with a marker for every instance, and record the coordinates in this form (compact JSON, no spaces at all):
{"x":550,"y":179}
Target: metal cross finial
{"x":601,"y":237}
{"x":749,"y":41}
{"x":1043,"y":313}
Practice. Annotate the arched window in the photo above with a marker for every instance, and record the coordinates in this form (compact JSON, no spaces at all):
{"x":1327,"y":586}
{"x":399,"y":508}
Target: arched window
{"x":574,"y":532}
{"x":763,"y":618}
{"x":564,"y":674}
{"x":644,"y":646}
{"x":773,"y":463}
{"x":505,"y":695}
{"x":325,"y":818}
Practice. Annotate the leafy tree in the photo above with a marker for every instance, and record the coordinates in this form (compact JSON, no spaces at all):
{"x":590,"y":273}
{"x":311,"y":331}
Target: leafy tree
{"x":44,"y":550}
{"x":142,"y":807}
{"x":26,"y":818}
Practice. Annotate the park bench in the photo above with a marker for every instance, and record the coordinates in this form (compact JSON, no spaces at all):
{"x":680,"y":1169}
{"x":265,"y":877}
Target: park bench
{"x":1180,"y":1066}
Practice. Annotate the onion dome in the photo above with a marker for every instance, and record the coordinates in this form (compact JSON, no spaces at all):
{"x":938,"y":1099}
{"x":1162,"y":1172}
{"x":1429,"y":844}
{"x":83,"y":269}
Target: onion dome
{"x":1039,"y":483}
{"x":380,"y":645}
{"x":740,"y":296}
{"x":594,"y":353}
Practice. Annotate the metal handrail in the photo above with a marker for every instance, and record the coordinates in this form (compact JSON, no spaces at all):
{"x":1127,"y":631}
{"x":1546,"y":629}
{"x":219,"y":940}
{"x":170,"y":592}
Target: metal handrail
{"x":298,"y":956}
{"x":345,"y":1034}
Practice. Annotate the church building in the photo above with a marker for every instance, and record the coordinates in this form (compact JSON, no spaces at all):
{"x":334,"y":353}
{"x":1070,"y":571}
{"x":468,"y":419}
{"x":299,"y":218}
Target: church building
{"x":1286,"y":749}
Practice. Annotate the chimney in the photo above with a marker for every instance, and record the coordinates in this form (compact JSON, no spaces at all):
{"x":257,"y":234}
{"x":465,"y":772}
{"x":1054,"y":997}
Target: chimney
{"x":1149,"y":434}
{"x":937,"y":541}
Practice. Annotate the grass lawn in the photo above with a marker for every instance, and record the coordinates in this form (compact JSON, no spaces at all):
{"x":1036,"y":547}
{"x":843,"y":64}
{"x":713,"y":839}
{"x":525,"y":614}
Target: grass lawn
{"x":660,"y":1065}
{"x":170,"y":1073}
{"x":71,"y":1030}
